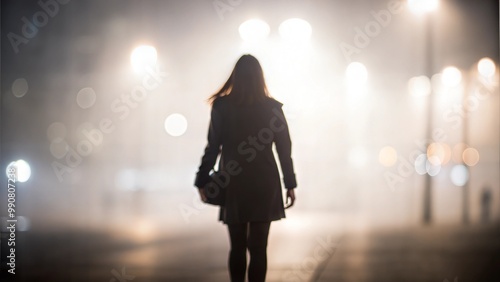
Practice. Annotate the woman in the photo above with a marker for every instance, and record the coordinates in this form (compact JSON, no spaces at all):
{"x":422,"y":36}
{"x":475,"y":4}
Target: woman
{"x":245,"y":122}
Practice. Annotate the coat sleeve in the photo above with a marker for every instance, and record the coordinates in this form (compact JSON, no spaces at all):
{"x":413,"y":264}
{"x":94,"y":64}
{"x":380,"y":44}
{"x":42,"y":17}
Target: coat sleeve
{"x":212,"y":149}
{"x":284,"y":148}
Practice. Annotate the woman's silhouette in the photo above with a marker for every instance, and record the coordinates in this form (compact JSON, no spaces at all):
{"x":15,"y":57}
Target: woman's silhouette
{"x":245,"y":122}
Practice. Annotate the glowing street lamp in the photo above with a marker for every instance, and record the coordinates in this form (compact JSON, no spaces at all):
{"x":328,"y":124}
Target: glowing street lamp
{"x":419,"y":86}
{"x":451,"y":76}
{"x":22,"y":170}
{"x":143,"y":57}
{"x":486,"y":67}
{"x":295,"y":30}
{"x":423,"y":6}
{"x":254,"y":30}
{"x":356,"y":73}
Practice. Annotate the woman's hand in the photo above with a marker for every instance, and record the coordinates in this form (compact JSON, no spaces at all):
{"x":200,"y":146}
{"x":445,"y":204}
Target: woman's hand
{"x":202,"y":195}
{"x":290,"y":198}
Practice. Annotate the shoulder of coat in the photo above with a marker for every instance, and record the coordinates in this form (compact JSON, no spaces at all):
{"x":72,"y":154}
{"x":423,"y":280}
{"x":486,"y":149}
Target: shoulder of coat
{"x":275,"y":103}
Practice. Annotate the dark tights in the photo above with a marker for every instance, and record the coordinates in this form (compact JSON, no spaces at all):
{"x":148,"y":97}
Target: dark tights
{"x":251,"y":236}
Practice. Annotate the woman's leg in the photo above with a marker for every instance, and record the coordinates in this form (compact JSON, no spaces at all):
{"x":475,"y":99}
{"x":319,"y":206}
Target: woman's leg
{"x":257,"y":245}
{"x":238,"y":253}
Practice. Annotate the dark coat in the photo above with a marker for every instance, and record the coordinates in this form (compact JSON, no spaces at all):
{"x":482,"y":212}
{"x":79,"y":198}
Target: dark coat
{"x":246,"y":134}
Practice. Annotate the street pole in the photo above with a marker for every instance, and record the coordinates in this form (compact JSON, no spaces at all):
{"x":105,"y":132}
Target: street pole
{"x":427,"y":208}
{"x":465,"y":196}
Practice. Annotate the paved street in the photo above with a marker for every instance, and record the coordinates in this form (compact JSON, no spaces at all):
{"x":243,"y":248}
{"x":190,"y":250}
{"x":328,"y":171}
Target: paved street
{"x":429,"y":254}
{"x":300,"y":249}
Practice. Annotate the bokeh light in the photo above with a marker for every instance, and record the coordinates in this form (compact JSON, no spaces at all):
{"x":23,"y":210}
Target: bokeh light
{"x":470,"y":156}
{"x":419,"y":86}
{"x":24,"y":171}
{"x":423,"y":6}
{"x":439,"y":153}
{"x":59,"y":148}
{"x":432,"y":166}
{"x":387,"y":156}
{"x":176,"y":125}
{"x":56,"y":130}
{"x":451,"y":76}
{"x":86,"y":98}
{"x":356,"y":73}
{"x":457,"y":152}
{"x":143,"y":230}
{"x":486,"y":67}
{"x":20,"y":87}
{"x":143,"y":58}
{"x":459,"y":175}
{"x":254,"y":30}
{"x":424,"y":165}
{"x":420,"y":164}
{"x":22,"y":168}
{"x":295,"y":30}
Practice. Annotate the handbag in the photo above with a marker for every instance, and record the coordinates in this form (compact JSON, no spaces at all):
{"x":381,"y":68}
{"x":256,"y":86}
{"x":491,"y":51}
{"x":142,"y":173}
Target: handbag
{"x":215,"y":191}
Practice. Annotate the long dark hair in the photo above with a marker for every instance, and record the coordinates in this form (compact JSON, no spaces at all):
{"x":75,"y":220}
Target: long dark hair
{"x":246,"y":85}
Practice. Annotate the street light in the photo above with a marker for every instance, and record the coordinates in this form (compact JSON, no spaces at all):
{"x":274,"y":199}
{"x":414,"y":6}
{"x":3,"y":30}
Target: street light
{"x":423,"y":6}
{"x":254,"y":30}
{"x":295,"y":30}
{"x":356,"y":73}
{"x":356,"y":78}
{"x":419,"y":86}
{"x":143,"y":57}
{"x":486,"y":67}
{"x":451,"y":77}
{"x":20,"y":169}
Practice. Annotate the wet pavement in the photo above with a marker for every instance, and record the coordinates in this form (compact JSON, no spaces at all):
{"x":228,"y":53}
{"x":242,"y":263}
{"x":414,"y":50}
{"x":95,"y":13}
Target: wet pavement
{"x":426,"y":254}
{"x":306,"y":248}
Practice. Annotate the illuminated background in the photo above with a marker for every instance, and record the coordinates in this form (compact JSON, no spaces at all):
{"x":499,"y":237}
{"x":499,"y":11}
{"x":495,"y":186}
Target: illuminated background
{"x":104,"y":109}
